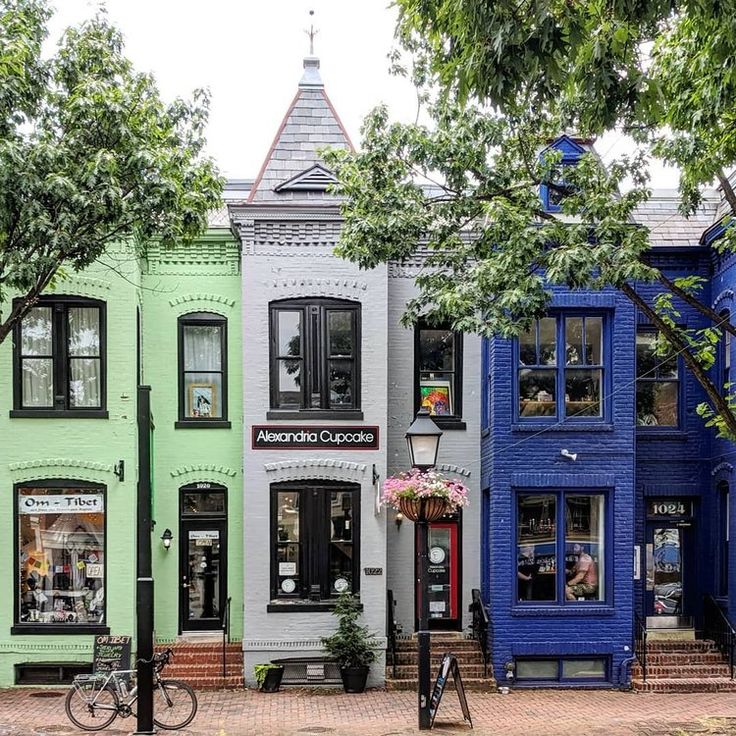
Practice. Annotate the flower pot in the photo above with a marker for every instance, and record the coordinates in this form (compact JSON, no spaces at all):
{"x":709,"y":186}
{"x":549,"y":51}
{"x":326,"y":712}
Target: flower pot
{"x":272,"y":683}
{"x":354,"y":678}
{"x":434,"y":507}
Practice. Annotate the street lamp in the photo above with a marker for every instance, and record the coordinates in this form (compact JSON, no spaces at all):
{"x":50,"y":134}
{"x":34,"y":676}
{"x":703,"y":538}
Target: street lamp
{"x":423,"y":441}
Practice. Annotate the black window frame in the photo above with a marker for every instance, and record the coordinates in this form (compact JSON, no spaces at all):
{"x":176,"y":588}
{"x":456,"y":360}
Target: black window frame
{"x":200,"y":319}
{"x":314,"y":357}
{"x":654,"y":378}
{"x":314,"y":540}
{"x":22,"y":627}
{"x":60,"y":358}
{"x":455,"y":420}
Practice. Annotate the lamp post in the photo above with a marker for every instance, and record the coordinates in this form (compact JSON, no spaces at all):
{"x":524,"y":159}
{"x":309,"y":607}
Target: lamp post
{"x":423,"y":441}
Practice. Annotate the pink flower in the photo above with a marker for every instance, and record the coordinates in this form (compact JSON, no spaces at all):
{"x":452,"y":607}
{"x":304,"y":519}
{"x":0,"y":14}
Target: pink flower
{"x":417,"y":484}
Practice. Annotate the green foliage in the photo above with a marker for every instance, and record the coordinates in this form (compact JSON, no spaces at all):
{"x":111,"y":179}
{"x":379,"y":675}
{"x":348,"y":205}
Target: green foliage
{"x":261,"y":671}
{"x":89,"y":152}
{"x":352,"y":645}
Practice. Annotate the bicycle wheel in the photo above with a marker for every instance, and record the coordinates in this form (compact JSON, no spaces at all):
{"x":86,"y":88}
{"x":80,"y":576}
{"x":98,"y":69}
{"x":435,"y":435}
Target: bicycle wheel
{"x":90,"y":706}
{"x":174,"y":704}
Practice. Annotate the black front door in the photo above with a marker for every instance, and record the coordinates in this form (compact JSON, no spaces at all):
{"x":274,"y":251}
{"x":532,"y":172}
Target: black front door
{"x":202,"y":560}
{"x":670,"y":558}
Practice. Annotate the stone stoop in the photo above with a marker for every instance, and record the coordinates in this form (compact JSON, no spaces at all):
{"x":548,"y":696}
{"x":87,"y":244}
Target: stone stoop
{"x":200,"y":664}
{"x":682,"y":666}
{"x":467,"y":652}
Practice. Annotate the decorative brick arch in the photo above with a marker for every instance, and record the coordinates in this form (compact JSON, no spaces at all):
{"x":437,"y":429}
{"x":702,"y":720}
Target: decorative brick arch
{"x":297,"y":288}
{"x":722,"y":472}
{"x":202,"y":303}
{"x":63,"y":468}
{"x":202,"y":472}
{"x":725,"y":296}
{"x":448,"y":468}
{"x":315,"y":469}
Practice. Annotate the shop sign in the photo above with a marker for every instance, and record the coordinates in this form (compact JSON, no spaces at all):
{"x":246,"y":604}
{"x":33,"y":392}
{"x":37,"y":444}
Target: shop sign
{"x":72,"y":503}
{"x":269,"y":437}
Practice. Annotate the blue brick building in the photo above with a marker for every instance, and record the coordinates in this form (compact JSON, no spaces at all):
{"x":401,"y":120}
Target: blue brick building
{"x":606,"y":498}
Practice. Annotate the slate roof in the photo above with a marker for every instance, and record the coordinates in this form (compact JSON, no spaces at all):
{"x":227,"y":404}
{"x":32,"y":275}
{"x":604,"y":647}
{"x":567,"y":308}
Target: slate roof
{"x":667,"y":227}
{"x":310,"y":124}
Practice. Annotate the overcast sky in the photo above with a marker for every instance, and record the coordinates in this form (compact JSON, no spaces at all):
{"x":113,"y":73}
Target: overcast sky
{"x":249,"y":54}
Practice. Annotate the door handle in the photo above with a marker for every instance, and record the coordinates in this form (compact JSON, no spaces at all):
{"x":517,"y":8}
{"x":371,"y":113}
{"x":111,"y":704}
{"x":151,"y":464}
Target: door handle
{"x":185,"y":585}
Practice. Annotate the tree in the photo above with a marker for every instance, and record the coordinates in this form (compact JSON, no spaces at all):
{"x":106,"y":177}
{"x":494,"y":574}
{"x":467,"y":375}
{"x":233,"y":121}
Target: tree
{"x":500,"y":80}
{"x":89,"y":154}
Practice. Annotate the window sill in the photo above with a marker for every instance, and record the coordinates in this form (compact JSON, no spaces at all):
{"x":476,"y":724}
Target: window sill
{"x":304,"y":606}
{"x":353,"y":414}
{"x":571,"y":609}
{"x":563,"y":427}
{"x":20,"y":629}
{"x":202,"y":424}
{"x":52,"y":414}
{"x":448,"y":423}
{"x":651,"y":433}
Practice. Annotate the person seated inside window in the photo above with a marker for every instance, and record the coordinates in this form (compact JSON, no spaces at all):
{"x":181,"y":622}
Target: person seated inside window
{"x":583,"y":582}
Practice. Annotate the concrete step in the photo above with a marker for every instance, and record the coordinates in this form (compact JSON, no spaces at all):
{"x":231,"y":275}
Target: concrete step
{"x":686,"y":685}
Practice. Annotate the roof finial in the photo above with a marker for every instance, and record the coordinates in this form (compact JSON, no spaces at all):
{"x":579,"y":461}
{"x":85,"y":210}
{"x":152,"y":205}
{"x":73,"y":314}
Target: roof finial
{"x":312,"y":32}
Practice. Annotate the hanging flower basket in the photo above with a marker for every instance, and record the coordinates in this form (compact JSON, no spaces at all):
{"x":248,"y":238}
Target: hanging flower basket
{"x":405,"y":492}
{"x":435,"y":508}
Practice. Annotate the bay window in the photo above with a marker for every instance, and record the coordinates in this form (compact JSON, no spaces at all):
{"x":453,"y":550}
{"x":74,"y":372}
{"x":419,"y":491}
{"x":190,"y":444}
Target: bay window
{"x":560,"y":547}
{"x":60,"y":359}
{"x":60,"y":555}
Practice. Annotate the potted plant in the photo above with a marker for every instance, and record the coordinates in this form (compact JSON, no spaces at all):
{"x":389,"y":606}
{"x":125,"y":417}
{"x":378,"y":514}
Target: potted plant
{"x":268,"y":677}
{"x":352,"y":646}
{"x":407,"y":492}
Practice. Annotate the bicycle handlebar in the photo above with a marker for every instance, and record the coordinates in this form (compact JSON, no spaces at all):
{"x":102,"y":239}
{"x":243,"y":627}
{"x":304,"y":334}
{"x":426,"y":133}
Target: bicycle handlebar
{"x":159,"y":659}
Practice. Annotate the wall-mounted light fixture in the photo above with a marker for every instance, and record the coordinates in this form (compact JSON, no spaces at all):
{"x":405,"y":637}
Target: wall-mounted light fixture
{"x":119,"y":470}
{"x":166,"y":538}
{"x":399,"y":519}
{"x":569,"y":455}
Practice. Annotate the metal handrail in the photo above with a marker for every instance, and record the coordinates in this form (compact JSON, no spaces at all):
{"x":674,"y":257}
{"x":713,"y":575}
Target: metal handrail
{"x":225,"y":635}
{"x":391,"y":628}
{"x":480,"y":626}
{"x":640,"y":643}
{"x":717,"y":627}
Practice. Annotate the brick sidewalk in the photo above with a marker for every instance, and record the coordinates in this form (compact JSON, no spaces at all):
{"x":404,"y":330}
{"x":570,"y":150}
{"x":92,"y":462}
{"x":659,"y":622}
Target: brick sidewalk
{"x":379,"y":713}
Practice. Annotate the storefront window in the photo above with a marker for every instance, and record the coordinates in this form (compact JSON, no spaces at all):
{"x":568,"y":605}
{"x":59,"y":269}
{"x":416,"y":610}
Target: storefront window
{"x":315,"y":544}
{"x":61,"y":555}
{"x":540,"y":546}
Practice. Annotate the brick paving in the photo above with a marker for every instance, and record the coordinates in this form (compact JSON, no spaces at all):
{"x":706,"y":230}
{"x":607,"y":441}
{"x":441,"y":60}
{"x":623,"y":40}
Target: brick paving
{"x":381,"y":713}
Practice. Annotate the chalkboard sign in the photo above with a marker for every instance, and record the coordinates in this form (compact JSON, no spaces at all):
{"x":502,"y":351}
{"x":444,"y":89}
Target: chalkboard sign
{"x":111,"y":653}
{"x":449,"y":667}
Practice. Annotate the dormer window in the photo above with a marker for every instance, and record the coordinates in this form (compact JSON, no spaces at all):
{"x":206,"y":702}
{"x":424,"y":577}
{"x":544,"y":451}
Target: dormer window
{"x":552,"y":194}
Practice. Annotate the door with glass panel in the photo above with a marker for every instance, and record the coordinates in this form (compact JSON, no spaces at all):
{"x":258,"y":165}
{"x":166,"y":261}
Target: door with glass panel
{"x":202,"y":557}
{"x":669,"y":559}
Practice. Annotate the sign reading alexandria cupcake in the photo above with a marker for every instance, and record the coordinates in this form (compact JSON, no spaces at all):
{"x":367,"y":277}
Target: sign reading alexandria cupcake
{"x":267,"y":437}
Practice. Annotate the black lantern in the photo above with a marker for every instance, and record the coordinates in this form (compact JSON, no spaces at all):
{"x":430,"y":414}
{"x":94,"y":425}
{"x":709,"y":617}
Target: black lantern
{"x":166,"y":538}
{"x":423,"y":441}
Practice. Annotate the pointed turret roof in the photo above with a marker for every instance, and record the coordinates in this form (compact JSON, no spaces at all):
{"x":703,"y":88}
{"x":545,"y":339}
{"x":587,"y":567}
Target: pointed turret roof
{"x":293,"y":170}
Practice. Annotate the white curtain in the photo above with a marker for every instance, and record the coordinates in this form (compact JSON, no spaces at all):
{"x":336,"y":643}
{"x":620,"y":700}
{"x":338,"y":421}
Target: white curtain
{"x":38,"y":381}
{"x":202,"y":348}
{"x":84,"y":356}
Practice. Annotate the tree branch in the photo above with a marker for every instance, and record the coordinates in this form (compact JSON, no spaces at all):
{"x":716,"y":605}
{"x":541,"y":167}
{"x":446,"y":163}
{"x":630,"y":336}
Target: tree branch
{"x":719,"y":402}
{"x":724,"y":324}
{"x":728,"y":192}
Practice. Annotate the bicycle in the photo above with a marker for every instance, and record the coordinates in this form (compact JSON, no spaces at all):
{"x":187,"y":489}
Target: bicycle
{"x":95,"y":701}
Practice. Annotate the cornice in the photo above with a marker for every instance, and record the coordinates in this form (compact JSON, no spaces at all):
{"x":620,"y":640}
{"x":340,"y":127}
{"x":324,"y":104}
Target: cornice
{"x":38,"y":646}
{"x":204,"y":470}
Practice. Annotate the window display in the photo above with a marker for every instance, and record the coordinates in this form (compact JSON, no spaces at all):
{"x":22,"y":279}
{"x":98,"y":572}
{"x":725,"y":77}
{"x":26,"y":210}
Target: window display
{"x":61,"y":555}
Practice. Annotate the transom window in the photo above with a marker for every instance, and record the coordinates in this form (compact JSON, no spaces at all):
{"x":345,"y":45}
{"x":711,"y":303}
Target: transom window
{"x":315,"y":348}
{"x":60,"y":357}
{"x":560,"y":547}
{"x":657,"y":384}
{"x":567,"y":388}
{"x":438,"y":366}
{"x":315,"y":540}
{"x":202,"y":368}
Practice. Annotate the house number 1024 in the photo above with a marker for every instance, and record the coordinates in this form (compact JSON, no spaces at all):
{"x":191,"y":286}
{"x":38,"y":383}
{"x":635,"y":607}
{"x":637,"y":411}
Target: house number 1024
{"x":669,"y":508}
